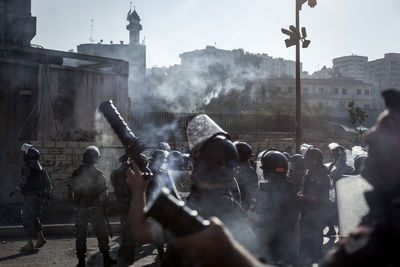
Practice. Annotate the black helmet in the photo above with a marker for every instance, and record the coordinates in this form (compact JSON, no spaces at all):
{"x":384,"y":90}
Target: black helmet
{"x":358,"y":162}
{"x":274,"y":162}
{"x":159,"y":154}
{"x":297,"y":162}
{"x":244,"y":150}
{"x":91,"y":155}
{"x":175,"y":160}
{"x":313,"y":156}
{"x":216,"y":159}
{"x":32,"y":154}
{"x":163,"y":146}
{"x":287,"y":155}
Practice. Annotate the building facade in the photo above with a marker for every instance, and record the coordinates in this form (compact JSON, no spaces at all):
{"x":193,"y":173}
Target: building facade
{"x":351,"y":66}
{"x":333,"y":94}
{"x":385,"y":72}
{"x":134,"y":53}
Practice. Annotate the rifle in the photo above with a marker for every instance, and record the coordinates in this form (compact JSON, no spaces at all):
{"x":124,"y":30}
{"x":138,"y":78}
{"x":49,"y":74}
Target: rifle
{"x":108,"y":223}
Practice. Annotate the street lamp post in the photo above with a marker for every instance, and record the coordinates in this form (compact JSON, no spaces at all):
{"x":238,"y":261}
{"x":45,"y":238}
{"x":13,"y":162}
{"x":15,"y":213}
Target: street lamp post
{"x":295,"y":36}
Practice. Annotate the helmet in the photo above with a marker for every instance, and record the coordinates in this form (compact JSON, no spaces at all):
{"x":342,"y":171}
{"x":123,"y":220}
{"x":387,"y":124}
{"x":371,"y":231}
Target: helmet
{"x":274,"y":162}
{"x":358,"y":162}
{"x":91,"y":155}
{"x":244,"y":150}
{"x":297,"y":162}
{"x":175,"y":160}
{"x":32,"y":154}
{"x":287,"y":155}
{"x":159,"y":154}
{"x":164,"y":146}
{"x":313,"y":156}
{"x":216,"y":160}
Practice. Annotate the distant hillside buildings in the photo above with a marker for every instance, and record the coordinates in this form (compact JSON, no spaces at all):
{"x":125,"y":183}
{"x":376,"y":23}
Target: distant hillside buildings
{"x":265,"y":66}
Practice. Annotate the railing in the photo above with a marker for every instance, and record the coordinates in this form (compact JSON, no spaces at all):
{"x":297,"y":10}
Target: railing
{"x":232,"y":123}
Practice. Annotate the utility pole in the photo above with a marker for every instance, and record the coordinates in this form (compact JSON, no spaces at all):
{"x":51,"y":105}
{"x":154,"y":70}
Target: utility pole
{"x":298,"y":85}
{"x":295,"y":36}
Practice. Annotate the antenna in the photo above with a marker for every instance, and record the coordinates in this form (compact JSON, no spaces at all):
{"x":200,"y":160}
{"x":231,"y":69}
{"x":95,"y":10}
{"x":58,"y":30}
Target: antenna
{"x":91,"y":31}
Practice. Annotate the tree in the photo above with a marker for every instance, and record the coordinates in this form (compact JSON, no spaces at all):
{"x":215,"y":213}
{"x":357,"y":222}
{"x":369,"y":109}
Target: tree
{"x":357,"y":117}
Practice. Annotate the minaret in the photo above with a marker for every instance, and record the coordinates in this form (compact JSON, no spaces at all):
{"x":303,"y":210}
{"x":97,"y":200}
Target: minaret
{"x":134,"y":27}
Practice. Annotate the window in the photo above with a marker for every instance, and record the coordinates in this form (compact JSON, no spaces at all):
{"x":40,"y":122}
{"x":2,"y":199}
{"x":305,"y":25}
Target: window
{"x":344,"y":91}
{"x":321,"y":90}
{"x":366,"y":92}
{"x":336,"y":91}
{"x":366,"y":106}
{"x":358,"y":91}
{"x":290,"y":90}
{"x":305,"y":89}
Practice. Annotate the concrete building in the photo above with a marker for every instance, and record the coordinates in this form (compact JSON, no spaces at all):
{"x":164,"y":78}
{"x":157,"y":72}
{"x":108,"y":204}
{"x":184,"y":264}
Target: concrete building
{"x":333,"y":94}
{"x":351,"y":66}
{"x":49,"y":98}
{"x":134,"y":53}
{"x":385,"y":72}
{"x":207,"y":56}
{"x":278,"y":67}
{"x":17,"y":25}
{"x":324,"y":73}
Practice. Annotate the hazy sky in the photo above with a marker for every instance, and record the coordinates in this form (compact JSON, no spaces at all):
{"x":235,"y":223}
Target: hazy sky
{"x":335,"y":27}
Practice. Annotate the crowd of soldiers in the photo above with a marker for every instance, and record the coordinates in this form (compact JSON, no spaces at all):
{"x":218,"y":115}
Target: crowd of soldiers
{"x":276,"y":216}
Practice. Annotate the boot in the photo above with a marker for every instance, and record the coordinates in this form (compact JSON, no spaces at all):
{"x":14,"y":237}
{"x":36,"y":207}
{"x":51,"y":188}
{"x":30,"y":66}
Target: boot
{"x":41,"y":240}
{"x":29,"y":246}
{"x":81,"y":262}
{"x":107,"y":260}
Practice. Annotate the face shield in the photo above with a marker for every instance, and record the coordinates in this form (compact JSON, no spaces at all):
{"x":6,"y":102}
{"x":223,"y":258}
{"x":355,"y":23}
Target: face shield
{"x":200,"y":129}
{"x":25,"y":147}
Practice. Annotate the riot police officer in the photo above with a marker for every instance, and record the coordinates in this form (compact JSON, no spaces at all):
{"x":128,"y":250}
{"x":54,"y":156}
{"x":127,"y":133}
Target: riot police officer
{"x":87,"y":192}
{"x":315,"y":201}
{"x":276,"y":208}
{"x":245,"y":175}
{"x":35,"y":185}
{"x":123,"y":195}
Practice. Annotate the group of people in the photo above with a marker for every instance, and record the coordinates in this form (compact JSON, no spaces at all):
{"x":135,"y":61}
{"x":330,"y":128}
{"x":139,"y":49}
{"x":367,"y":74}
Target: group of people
{"x":276,"y":219}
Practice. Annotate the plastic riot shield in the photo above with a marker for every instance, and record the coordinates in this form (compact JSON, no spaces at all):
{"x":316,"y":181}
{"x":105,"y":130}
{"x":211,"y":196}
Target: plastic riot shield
{"x":200,"y":129}
{"x":351,"y":202}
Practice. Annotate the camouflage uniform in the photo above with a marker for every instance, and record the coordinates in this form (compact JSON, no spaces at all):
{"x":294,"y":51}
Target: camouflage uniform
{"x":123,"y":195}
{"x":35,"y":186}
{"x":87,"y":183}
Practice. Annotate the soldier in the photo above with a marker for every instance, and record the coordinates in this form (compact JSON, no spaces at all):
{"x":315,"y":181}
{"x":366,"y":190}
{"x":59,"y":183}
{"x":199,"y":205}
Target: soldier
{"x":35,"y":185}
{"x":276,"y":206}
{"x":245,"y":175}
{"x":123,"y":195}
{"x":87,"y":192}
{"x":315,"y":200}
{"x":376,"y":240}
